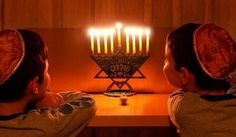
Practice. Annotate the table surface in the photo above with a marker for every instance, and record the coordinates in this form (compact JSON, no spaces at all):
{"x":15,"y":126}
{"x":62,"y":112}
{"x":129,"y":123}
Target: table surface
{"x":147,"y":109}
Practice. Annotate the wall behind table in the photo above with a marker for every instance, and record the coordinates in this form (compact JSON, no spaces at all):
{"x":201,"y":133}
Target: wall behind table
{"x":63,"y":23}
{"x":83,"y":13}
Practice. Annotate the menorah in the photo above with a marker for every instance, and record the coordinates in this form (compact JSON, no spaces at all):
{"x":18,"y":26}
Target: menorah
{"x":119,"y":66}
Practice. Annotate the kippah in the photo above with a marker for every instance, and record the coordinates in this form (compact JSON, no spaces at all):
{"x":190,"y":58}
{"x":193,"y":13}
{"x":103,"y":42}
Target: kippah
{"x":215,"y":50}
{"x":11,"y":53}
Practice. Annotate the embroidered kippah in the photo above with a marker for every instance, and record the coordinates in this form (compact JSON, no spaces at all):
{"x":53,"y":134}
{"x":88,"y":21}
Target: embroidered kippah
{"x":215,"y":51}
{"x":11,"y":53}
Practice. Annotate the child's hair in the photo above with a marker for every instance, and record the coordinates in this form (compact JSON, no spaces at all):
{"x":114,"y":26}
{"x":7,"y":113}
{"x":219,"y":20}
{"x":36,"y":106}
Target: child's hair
{"x":181,"y":44}
{"x":33,"y":65}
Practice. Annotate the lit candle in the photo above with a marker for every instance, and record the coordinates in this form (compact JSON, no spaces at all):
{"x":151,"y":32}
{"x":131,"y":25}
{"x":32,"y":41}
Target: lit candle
{"x":127,"y":31}
{"x":123,"y":99}
{"x":119,"y":26}
{"x":105,"y":40}
{"x":91,"y":33}
{"x":133,"y":36}
{"x":140,"y":32}
{"x":98,"y":33}
{"x":147,"y":40}
{"x":111,"y":40}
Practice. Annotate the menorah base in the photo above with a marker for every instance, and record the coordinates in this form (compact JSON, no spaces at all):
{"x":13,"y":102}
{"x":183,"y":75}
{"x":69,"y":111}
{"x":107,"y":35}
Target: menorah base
{"x":119,"y":92}
{"x":120,"y":68}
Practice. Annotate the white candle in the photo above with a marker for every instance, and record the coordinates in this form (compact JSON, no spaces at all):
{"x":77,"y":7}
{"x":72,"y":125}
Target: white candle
{"x":147,"y":40}
{"x":119,"y":26}
{"x":133,"y":40}
{"x":111,"y":40}
{"x":127,"y":31}
{"x":140,"y":32}
{"x":91,"y":33}
{"x":92,"y":44}
{"x":105,"y":41}
{"x":98,"y":33}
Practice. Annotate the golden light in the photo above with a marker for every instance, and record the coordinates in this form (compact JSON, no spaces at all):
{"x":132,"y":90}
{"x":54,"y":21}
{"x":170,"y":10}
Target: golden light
{"x":98,"y":34}
{"x":134,"y":37}
{"x":111,"y":33}
{"x":148,"y":31}
{"x":105,"y":34}
{"x":133,"y":40}
{"x":140,"y":33}
{"x":118,"y":27}
{"x":127,"y":31}
{"x":91,"y":33}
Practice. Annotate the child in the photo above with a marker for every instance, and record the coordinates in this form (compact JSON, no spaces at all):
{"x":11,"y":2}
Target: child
{"x":201,"y":61}
{"x":26,"y":108}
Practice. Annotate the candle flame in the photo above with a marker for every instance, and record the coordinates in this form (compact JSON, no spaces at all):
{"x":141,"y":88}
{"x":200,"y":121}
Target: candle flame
{"x":136,"y":39}
{"x":91,"y":31}
{"x":127,"y":30}
{"x":140,"y":32}
{"x":119,"y":25}
{"x":98,"y":32}
{"x":105,"y":32}
{"x":111,"y":31}
{"x":148,"y":31}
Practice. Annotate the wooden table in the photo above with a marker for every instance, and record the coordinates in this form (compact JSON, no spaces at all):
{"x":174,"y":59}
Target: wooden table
{"x":145,"y":115}
{"x":141,"y":110}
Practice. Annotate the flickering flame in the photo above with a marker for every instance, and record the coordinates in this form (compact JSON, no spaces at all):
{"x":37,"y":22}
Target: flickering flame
{"x":106,"y":36}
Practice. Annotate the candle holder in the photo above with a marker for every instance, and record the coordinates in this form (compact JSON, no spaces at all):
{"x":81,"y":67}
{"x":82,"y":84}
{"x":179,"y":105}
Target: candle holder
{"x":120,"y":68}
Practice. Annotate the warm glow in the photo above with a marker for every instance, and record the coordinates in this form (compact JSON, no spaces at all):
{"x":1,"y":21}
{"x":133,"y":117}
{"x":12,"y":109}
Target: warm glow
{"x":105,"y":34}
{"x":118,"y":27}
{"x":133,"y":40}
{"x":148,"y":31}
{"x":98,"y":34}
{"x":127,"y":31}
{"x":140,"y":33}
{"x":111,"y":33}
{"x":91,"y":33}
{"x":134,"y":37}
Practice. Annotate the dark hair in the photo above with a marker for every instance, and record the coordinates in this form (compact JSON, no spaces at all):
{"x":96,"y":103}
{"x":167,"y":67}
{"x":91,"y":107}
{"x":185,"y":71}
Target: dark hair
{"x":33,"y":65}
{"x":181,"y":45}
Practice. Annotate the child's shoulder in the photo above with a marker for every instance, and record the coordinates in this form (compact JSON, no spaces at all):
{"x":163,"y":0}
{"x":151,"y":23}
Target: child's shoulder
{"x":176,"y":93}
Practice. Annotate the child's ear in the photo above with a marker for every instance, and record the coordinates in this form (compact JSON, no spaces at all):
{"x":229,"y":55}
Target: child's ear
{"x":33,"y":86}
{"x":186,"y":76}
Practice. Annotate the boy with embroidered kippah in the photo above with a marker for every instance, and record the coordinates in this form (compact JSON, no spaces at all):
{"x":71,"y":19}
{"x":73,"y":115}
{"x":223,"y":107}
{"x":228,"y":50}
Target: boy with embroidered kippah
{"x":27,"y":109}
{"x":201,"y":61}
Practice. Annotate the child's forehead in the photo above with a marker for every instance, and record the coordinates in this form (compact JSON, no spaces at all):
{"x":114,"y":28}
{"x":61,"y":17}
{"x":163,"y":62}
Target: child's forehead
{"x":168,"y":52}
{"x":167,"y":48}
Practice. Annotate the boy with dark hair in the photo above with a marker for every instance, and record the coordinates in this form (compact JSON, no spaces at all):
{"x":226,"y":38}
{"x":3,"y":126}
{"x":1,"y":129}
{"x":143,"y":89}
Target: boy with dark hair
{"x":201,"y":61}
{"x":26,"y":107}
